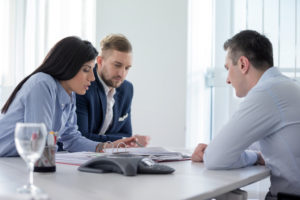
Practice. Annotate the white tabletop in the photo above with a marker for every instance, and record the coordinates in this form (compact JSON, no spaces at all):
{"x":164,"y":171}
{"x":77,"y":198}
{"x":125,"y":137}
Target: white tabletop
{"x":189,"y":181}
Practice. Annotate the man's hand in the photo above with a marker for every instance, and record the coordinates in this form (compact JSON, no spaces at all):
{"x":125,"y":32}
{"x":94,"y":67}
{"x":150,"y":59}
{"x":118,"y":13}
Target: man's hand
{"x":125,"y":142}
{"x":142,"y":140}
{"x":260,"y":159}
{"x":197,"y":156}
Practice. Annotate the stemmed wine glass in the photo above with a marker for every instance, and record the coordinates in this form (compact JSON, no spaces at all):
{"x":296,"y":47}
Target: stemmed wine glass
{"x":30,"y":141}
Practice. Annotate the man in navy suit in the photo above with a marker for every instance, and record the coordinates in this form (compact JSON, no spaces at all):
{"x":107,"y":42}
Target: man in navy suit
{"x":104,"y":112}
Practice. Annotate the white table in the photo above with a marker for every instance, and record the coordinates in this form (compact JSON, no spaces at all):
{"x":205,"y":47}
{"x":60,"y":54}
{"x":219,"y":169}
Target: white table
{"x":189,"y":181}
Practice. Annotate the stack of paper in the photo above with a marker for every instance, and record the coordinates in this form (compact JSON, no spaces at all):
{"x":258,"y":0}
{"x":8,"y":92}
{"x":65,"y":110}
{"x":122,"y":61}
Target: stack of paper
{"x":76,"y":158}
{"x":158,"y":154}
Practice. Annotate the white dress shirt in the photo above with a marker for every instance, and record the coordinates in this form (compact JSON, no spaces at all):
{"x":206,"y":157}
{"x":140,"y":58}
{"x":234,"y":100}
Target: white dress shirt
{"x":269,"y":114}
{"x":110,"y":101}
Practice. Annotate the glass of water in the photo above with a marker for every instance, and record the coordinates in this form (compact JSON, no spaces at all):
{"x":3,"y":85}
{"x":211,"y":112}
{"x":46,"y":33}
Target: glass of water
{"x":30,"y":141}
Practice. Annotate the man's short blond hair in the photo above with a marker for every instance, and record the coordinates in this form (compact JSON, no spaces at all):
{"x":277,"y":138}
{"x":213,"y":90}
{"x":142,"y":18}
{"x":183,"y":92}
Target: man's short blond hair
{"x":115,"y":42}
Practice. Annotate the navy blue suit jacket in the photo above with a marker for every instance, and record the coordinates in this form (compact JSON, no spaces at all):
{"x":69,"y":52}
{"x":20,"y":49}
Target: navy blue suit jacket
{"x":91,"y":110}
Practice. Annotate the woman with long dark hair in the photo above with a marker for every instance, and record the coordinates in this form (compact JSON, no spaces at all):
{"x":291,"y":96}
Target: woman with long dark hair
{"x":47,"y":96}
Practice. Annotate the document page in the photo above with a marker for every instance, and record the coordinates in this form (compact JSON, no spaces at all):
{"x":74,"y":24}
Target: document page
{"x":76,"y":158}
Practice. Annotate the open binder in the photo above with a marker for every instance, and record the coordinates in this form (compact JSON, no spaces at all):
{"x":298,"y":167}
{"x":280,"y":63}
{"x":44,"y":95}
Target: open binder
{"x":158,"y":154}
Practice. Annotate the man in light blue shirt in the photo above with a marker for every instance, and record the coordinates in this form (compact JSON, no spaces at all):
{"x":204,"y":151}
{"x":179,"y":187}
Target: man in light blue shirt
{"x":269,"y":114}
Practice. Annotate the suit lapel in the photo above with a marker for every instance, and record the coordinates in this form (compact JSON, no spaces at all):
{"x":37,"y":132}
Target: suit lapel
{"x":102,"y":97}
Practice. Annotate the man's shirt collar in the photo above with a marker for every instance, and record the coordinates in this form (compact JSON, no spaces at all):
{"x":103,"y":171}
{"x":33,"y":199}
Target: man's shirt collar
{"x":106,"y":88}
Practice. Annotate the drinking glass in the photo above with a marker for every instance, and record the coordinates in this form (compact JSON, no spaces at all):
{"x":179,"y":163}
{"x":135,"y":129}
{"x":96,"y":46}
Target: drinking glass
{"x":30,"y":141}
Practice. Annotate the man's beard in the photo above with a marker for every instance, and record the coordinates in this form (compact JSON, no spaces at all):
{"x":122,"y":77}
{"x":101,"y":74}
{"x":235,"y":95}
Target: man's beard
{"x":110,"y":83}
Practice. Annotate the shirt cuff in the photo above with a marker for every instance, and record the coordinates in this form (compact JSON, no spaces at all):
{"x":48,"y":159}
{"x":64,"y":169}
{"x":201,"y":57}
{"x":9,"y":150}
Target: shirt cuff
{"x":251,"y":157}
{"x":89,"y":146}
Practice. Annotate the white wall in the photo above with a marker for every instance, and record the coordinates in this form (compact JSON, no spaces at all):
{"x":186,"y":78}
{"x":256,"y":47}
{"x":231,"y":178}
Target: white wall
{"x":157,"y":30}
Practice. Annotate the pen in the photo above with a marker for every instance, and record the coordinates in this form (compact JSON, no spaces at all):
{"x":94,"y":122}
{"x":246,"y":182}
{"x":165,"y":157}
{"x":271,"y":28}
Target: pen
{"x":136,"y":142}
{"x":139,"y":144}
{"x":51,"y":138}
